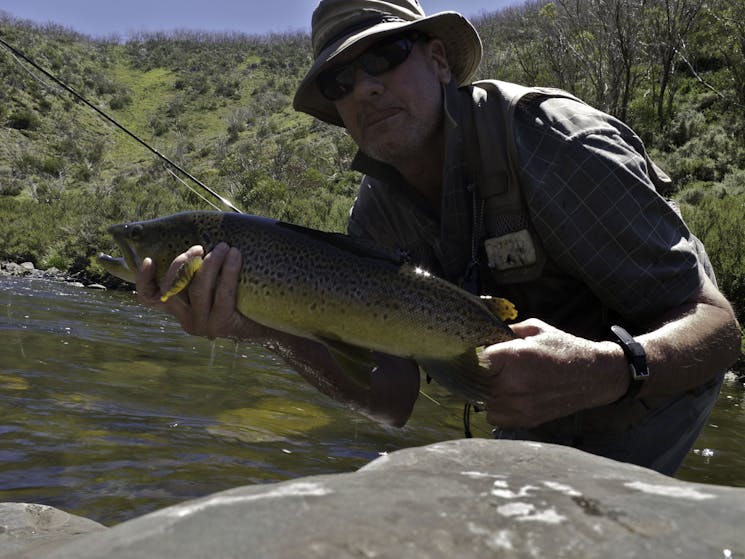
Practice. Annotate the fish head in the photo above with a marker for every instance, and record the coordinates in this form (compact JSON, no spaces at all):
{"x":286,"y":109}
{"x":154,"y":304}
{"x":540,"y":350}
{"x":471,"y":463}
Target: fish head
{"x":161,"y":240}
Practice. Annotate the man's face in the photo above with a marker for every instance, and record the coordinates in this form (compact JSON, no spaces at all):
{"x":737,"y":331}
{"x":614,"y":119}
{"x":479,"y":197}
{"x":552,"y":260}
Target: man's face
{"x":396,"y":115}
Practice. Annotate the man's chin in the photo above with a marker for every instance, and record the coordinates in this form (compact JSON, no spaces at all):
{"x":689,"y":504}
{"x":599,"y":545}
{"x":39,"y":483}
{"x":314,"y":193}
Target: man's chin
{"x":385,"y":153}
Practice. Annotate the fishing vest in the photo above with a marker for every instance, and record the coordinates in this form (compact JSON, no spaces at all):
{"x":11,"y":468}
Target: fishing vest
{"x":517,"y":259}
{"x":514,"y":251}
{"x":511,"y":249}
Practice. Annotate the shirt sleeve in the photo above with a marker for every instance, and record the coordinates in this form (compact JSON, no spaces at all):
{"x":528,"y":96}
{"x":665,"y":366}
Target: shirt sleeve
{"x":597,"y":212}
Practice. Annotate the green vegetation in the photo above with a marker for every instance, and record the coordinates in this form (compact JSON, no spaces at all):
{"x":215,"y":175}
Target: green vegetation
{"x":220,"y":106}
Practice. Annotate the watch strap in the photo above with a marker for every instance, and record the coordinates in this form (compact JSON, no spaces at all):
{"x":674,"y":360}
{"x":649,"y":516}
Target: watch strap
{"x":636,"y":357}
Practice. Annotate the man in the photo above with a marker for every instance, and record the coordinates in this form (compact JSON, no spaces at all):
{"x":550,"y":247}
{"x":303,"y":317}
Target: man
{"x":527,"y":194}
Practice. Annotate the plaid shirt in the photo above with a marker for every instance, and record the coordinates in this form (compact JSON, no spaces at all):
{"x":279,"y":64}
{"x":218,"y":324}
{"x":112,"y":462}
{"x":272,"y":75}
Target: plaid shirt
{"x":613,"y":244}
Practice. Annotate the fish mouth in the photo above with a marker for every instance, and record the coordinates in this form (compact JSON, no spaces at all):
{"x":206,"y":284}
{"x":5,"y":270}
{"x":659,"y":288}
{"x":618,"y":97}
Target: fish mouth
{"x":124,"y":267}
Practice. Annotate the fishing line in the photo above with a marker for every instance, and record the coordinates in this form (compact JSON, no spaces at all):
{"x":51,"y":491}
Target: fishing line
{"x":69,"y":89}
{"x":196,"y":193}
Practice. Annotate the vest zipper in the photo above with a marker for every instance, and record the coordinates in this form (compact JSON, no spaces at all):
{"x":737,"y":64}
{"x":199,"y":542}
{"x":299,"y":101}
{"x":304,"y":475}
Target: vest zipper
{"x":471,"y":278}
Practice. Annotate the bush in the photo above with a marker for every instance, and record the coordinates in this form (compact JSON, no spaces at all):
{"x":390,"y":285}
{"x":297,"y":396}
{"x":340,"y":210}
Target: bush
{"x":717,"y":221}
{"x":120,"y":100}
{"x":158,"y":125}
{"x":24,"y":119}
{"x":10,"y":187}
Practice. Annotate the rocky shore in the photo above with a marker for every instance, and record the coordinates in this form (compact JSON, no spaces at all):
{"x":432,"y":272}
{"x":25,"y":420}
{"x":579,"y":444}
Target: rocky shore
{"x":28,"y":270}
{"x":470,"y":498}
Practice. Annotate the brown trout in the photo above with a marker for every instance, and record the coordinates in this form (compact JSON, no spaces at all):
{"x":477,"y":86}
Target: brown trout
{"x":344,"y":292}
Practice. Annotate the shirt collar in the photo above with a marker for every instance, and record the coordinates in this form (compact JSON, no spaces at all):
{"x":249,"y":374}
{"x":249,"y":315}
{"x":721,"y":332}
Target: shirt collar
{"x":453,"y":247}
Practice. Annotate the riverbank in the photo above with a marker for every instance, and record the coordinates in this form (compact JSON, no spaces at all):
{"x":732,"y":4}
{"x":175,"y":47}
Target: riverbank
{"x":28,"y":270}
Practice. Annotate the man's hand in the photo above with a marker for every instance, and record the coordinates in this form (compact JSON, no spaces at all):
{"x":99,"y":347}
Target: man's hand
{"x":546,"y":374}
{"x":207,"y":306}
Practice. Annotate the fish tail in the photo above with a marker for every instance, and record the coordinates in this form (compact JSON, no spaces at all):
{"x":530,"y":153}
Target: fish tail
{"x":466,"y":375}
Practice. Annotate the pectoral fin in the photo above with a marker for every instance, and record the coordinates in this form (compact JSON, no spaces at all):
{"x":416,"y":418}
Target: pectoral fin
{"x":466,"y":375}
{"x":357,"y":362}
{"x":183,"y":276}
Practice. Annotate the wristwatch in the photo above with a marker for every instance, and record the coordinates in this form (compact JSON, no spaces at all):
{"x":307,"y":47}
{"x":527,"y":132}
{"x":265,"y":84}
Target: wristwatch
{"x":637,"y":358}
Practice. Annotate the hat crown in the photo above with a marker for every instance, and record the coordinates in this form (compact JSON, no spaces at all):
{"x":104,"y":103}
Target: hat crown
{"x":334,"y":19}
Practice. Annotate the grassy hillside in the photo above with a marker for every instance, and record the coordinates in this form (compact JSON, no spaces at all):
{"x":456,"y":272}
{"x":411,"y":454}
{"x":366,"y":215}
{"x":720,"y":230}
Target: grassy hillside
{"x":220,"y":106}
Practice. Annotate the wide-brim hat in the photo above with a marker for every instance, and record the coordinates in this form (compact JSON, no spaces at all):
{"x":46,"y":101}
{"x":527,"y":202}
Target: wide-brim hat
{"x":339,"y":25}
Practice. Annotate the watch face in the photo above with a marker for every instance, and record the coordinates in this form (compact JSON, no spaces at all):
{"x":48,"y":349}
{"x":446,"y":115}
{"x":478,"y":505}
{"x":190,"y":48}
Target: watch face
{"x":639,"y":374}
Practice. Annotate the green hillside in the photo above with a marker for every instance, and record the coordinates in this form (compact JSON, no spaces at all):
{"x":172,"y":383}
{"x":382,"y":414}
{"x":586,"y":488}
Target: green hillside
{"x":219,"y":105}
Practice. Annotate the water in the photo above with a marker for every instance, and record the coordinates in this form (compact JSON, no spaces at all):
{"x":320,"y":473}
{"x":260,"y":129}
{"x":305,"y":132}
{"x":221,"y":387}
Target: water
{"x":108,"y":410}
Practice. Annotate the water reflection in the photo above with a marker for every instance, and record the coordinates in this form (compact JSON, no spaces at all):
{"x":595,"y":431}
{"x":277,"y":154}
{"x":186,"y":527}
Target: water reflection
{"x":109,"y":410}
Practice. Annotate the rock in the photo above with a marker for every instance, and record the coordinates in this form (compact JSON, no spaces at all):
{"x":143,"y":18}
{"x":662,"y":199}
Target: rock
{"x":14,"y":270}
{"x":96,"y":286}
{"x":29,"y":530}
{"x":468,"y":499}
{"x":28,"y":266}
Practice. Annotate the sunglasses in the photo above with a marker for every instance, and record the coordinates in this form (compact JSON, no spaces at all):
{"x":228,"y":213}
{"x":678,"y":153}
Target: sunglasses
{"x":383,"y":56}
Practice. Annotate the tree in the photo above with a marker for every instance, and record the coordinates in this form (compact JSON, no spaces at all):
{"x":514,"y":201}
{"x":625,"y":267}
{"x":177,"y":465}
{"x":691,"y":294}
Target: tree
{"x":669,"y":24}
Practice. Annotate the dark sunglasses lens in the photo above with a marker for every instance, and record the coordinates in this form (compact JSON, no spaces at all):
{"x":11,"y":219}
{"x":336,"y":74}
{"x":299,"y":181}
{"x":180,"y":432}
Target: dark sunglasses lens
{"x":337,"y":82}
{"x":385,"y":57}
{"x":331,"y":87}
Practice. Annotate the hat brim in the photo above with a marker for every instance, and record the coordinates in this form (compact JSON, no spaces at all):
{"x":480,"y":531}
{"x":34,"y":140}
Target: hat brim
{"x":462,"y":44}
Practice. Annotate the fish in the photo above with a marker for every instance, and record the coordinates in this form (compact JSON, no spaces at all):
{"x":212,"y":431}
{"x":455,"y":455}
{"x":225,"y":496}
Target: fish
{"x":350,"y":294}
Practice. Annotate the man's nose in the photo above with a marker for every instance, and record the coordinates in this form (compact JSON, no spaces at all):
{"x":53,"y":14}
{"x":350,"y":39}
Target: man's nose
{"x":366,"y":84}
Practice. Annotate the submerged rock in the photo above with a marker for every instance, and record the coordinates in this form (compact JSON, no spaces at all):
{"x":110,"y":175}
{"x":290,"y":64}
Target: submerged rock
{"x":28,"y":530}
{"x":469,"y":498}
{"x":97,"y":286}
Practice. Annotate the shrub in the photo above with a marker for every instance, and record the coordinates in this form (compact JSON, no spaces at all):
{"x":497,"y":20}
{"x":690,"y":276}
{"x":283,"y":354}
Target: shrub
{"x":717,"y":221}
{"x":24,"y":119}
{"x":120,"y":100}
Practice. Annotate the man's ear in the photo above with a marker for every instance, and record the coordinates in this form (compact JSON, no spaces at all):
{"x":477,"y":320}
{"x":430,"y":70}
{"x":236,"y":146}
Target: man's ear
{"x":438,"y":55}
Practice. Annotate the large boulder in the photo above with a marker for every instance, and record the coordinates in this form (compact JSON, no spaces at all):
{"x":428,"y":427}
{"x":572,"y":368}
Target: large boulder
{"x":469,"y":498}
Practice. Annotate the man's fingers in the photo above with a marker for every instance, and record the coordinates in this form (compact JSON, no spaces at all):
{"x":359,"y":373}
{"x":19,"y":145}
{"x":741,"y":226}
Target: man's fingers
{"x":225,"y":296}
{"x":207,"y":307}
{"x":202,"y":287}
{"x":148,"y":292}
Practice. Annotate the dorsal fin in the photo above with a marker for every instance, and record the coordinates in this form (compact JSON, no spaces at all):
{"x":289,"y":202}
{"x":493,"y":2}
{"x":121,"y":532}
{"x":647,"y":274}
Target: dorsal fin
{"x":358,"y":246}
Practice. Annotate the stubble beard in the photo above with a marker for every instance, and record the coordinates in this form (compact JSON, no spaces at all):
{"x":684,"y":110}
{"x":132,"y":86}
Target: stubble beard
{"x":404,"y":143}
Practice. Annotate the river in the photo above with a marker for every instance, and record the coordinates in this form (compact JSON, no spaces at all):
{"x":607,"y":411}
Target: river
{"x":108,"y":410}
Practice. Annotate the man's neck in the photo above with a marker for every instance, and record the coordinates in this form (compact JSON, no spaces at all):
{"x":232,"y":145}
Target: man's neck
{"x":427,"y":180}
{"x":424,"y":173}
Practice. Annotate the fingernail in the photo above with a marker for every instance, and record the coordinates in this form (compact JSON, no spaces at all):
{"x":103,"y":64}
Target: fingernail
{"x":233,"y":255}
{"x":221,"y":248}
